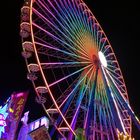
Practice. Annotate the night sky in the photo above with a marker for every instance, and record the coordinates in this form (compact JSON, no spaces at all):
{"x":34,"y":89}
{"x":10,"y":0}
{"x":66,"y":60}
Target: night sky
{"x":120,"y":21}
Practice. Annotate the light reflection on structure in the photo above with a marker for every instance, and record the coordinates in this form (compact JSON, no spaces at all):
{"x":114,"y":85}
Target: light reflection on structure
{"x":33,"y":126}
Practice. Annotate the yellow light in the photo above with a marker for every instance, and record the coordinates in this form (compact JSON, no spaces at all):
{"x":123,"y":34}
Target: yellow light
{"x":122,"y":136}
{"x":11,"y":110}
{"x":137,"y":119}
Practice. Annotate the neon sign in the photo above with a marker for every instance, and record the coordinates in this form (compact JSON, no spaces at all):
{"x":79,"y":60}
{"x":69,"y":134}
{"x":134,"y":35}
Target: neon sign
{"x":3,"y":115}
{"x":18,"y":101}
{"x":19,"y":108}
{"x":2,"y":120}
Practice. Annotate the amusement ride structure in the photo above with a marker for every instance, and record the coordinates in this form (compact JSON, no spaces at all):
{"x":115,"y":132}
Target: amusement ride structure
{"x":74,"y":71}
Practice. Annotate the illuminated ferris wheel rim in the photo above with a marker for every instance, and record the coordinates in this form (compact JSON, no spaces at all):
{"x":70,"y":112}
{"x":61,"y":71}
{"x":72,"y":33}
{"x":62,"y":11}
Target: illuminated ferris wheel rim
{"x":99,"y":55}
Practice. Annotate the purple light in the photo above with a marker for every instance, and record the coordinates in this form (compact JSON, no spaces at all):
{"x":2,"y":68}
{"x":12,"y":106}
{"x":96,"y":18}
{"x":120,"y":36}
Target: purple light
{"x":3,"y":115}
{"x":19,"y":94}
{"x":2,"y":120}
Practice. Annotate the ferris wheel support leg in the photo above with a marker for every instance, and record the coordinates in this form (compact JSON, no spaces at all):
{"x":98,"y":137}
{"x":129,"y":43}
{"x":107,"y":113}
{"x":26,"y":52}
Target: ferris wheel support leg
{"x":116,"y":120}
{"x":132,"y":114}
{"x":91,"y":106}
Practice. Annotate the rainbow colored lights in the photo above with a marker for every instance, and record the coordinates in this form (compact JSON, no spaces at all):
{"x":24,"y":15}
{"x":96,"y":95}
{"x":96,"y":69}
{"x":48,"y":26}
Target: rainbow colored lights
{"x":69,"y":55}
{"x":3,"y":115}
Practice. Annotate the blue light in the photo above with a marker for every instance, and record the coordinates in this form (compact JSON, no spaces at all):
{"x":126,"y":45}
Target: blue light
{"x":4,"y":114}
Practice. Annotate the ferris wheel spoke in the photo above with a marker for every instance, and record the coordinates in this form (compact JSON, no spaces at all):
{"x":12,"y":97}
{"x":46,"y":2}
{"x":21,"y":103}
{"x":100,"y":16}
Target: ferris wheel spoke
{"x":84,"y":18}
{"x":116,"y":79}
{"x":120,"y":123}
{"x":114,"y":82}
{"x":86,"y":15}
{"x":77,"y":14}
{"x":49,"y":11}
{"x":120,"y":87}
{"x":68,"y":100}
{"x":91,"y":92}
{"x":95,"y":27}
{"x":124,"y":112}
{"x":76,"y":72}
{"x":57,"y":54}
{"x":70,"y":34}
{"x":69,"y":13}
{"x":72,"y":26}
{"x":49,"y":15}
{"x":108,"y":112}
{"x":80,"y":98}
{"x":110,"y":121}
{"x":63,"y":64}
{"x":77,"y":85}
{"x":89,"y":23}
{"x":91,"y":111}
{"x":117,"y":95}
{"x":56,"y":49}
{"x":58,"y":39}
{"x":103,"y":42}
{"x":67,"y":93}
{"x":104,"y":115}
{"x":99,"y":37}
{"x":64,"y":35}
{"x":72,"y":12}
{"x":105,"y":48}
{"x":116,"y":69}
{"x":50,"y":34}
{"x":117,"y":82}
{"x":112,"y":67}
{"x":44,"y":44}
{"x":109,"y":54}
{"x":81,"y":21}
{"x":95,"y":32}
{"x":113,"y":72}
{"x":100,"y":116}
{"x":111,"y":61}
{"x":81,"y":15}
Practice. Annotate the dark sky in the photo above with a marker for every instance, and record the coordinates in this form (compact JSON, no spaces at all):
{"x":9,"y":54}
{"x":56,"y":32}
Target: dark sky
{"x":120,"y":21}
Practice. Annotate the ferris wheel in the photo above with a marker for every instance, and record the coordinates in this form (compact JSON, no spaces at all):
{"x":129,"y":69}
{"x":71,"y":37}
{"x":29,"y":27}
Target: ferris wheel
{"x":74,"y":70}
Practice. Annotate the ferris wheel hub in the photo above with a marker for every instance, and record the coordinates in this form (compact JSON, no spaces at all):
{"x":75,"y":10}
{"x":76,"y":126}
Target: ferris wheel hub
{"x":102,"y":59}
{"x":95,"y":61}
